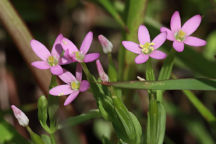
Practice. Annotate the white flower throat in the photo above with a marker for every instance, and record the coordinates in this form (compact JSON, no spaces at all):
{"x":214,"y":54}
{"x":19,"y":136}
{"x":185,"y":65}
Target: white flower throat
{"x":147,"y":48}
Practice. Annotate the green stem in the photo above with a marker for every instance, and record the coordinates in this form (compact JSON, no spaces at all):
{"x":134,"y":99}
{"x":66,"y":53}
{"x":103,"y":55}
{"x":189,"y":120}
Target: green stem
{"x":87,"y":72}
{"x":152,"y":104}
{"x":166,"y":71}
{"x":52,"y":137}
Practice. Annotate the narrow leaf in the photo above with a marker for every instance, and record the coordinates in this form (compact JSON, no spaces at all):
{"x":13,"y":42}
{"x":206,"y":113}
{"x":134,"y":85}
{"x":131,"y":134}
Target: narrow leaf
{"x":178,"y":84}
{"x":72,"y":121}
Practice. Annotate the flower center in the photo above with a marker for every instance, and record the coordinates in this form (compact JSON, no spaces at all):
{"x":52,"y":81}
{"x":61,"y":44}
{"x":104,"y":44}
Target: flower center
{"x":52,"y":61}
{"x":180,"y":35}
{"x":79,"y":56}
{"x":75,"y":85}
{"x":147,"y":48}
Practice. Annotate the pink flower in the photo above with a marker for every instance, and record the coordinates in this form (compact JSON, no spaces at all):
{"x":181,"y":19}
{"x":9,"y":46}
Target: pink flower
{"x":72,"y":87}
{"x":20,"y":116}
{"x":51,"y":60}
{"x":146,"y":48}
{"x":81,"y":55}
{"x":181,"y":35}
{"x":103,"y":76}
{"x":105,"y":43}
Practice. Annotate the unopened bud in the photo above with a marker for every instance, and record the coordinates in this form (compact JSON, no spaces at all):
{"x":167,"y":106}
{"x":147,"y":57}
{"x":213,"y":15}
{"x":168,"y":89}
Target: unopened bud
{"x":140,"y":78}
{"x":20,"y":116}
{"x":103,"y":76}
{"x":106,"y":44}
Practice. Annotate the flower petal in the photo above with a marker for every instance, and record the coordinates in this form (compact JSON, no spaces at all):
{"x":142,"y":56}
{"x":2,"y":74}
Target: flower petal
{"x":175,"y":23}
{"x":141,"y":58}
{"x":86,"y":43}
{"x":71,"y":97}
{"x":194,"y":41}
{"x":68,"y":45}
{"x":57,"y":47}
{"x":91,"y":57}
{"x":156,"y":54}
{"x":159,"y":40}
{"x":41,"y":65}
{"x":132,"y":46}
{"x":170,"y":35}
{"x":84,"y":85}
{"x":178,"y":46}
{"x":56,"y":70}
{"x":78,"y":72}
{"x":64,"y":61}
{"x":191,"y":25}
{"x":61,"y":90}
{"x":67,"y":77}
{"x":143,"y":34}
{"x":40,"y":50}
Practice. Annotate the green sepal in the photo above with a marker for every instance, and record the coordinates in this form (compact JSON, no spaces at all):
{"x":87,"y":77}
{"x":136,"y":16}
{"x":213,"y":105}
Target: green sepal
{"x":42,"y":112}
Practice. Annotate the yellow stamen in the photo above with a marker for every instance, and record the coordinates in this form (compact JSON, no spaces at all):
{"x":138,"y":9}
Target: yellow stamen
{"x":147,"y":48}
{"x":52,"y":61}
{"x":180,"y":35}
{"x":75,"y":85}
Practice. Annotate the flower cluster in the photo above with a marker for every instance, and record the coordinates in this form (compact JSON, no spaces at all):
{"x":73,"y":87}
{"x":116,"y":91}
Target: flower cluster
{"x":64,"y":52}
{"x":179,"y":35}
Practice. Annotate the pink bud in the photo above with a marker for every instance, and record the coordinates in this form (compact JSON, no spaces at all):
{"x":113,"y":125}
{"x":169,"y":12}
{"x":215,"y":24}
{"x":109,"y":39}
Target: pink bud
{"x":106,"y":44}
{"x":103,"y":76}
{"x":20,"y":116}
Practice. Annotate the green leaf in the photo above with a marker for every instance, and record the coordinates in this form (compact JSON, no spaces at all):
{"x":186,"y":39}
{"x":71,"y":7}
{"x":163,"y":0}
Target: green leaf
{"x":8,"y":134}
{"x":72,"y":121}
{"x":178,"y":84}
{"x":112,"y":10}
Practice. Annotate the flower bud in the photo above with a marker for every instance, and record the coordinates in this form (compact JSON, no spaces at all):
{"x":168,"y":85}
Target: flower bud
{"x":103,"y":76}
{"x":20,"y":116}
{"x":106,"y":44}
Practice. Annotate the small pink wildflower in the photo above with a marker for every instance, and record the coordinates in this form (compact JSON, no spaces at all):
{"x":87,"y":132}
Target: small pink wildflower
{"x":181,"y":35}
{"x":103,"y":76}
{"x":72,"y":87}
{"x":146,"y":48}
{"x":81,"y":55}
{"x":105,"y":43}
{"x":20,"y":116}
{"x":51,"y":60}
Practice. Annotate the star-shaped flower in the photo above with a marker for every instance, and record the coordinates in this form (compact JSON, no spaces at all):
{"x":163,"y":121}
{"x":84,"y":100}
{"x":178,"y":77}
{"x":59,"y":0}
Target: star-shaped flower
{"x":73,"y":86}
{"x":72,"y":52}
{"x":180,"y":35}
{"x":51,"y":60}
{"x":146,"y":48}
